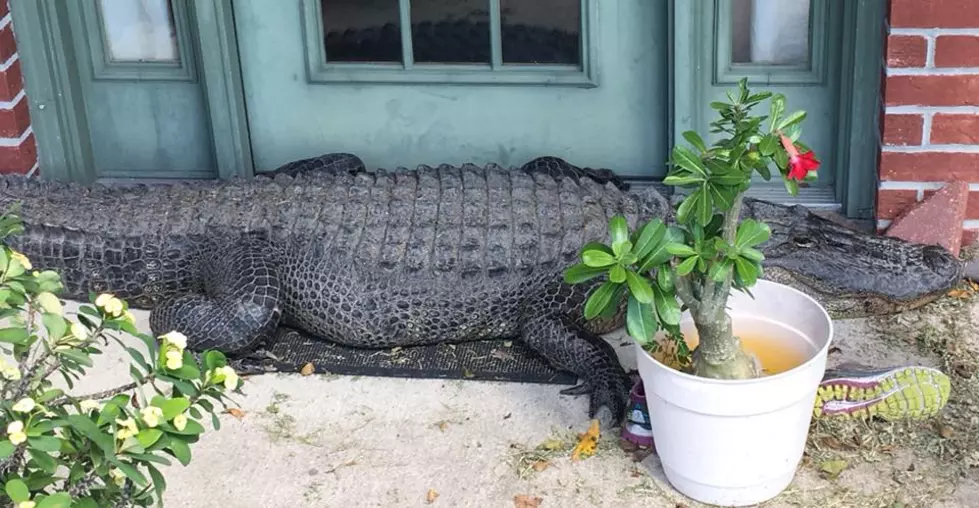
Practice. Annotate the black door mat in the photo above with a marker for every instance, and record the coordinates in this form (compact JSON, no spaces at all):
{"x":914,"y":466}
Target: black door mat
{"x":491,"y":360}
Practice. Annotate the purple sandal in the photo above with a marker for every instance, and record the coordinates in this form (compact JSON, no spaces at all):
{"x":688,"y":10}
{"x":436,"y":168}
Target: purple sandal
{"x":637,"y":429}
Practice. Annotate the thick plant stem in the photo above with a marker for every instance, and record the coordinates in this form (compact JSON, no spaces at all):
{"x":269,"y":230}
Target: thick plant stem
{"x":719,"y":354}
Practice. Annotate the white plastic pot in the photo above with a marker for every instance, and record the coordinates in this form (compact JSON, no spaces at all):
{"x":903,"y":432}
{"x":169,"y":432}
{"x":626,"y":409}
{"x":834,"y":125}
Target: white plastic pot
{"x":739,"y":443}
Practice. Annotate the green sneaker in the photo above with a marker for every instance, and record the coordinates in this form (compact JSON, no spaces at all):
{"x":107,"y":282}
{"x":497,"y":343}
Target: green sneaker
{"x":897,"y":393}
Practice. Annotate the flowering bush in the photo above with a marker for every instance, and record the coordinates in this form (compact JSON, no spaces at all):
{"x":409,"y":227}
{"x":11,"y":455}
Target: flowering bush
{"x":102,"y":449}
{"x":710,"y":250}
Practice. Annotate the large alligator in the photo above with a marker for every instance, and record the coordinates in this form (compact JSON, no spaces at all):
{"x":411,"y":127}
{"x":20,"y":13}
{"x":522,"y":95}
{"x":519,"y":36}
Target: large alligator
{"x":410,"y":257}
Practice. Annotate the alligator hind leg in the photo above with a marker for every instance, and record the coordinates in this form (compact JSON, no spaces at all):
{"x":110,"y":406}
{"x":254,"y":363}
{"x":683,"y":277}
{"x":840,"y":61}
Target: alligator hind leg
{"x":238,"y":306}
{"x":327,"y":163}
{"x":568,"y":346}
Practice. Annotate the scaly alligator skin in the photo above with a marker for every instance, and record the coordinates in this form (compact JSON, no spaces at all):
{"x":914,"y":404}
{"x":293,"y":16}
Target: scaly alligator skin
{"x":410,"y":257}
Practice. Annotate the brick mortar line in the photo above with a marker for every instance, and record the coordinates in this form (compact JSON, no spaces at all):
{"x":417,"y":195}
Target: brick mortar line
{"x":926,"y":128}
{"x":898,"y":185}
{"x":929,"y":52}
{"x":15,"y":142}
{"x":934,"y":32}
{"x":34,"y":170}
{"x":921,"y":110}
{"x":7,"y":106}
{"x":933,"y":71}
{"x":10,"y":61}
{"x":929,"y":148}
{"x":966,"y":224}
{"x":5,"y":22}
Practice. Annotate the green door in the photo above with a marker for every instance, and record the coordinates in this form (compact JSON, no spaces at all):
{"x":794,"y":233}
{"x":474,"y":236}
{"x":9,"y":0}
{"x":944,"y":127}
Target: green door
{"x":791,"y":47}
{"x":478,"y":81}
{"x":144,"y":105}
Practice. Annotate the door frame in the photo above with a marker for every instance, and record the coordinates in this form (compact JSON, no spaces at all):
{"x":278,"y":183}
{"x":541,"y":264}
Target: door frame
{"x":858,"y":141}
{"x":60,"y":126}
{"x":56,"y":101}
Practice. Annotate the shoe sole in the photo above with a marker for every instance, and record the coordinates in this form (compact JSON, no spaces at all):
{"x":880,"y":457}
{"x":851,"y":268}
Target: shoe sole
{"x":892,"y":394}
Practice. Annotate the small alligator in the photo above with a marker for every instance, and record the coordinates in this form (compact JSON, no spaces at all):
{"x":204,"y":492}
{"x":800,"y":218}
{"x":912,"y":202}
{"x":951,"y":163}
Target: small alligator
{"x":410,"y":257}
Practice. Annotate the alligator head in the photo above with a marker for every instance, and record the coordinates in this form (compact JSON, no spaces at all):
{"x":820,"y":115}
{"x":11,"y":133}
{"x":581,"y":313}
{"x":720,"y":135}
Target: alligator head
{"x":851,"y":273}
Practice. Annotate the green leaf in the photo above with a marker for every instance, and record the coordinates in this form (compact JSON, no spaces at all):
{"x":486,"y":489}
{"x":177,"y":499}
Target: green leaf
{"x":188,"y":371}
{"x":723,"y":197}
{"x":751,"y":233}
{"x":55,"y":325}
{"x":597,"y":258}
{"x":6,"y":448}
{"x":665,"y":279}
{"x":57,"y":500}
{"x":752,"y":254}
{"x":768,"y":145}
{"x":617,"y":274}
{"x":791,"y":120}
{"x":688,"y":160}
{"x":686,"y":206}
{"x":599,"y":299}
{"x":88,"y":428}
{"x":640,"y":321}
{"x":747,"y":270}
{"x":147,"y":437}
{"x":777,"y":108}
{"x":131,"y":472}
{"x":45,"y":443}
{"x":216,"y":359}
{"x":680,"y":181}
{"x":649,"y":237}
{"x":660,"y":253}
{"x":618,"y":230}
{"x":639,"y":287}
{"x":159,"y":483}
{"x":720,"y":269}
{"x":148,"y":457}
{"x":764,"y":171}
{"x":791,"y":186}
{"x":781,"y":159}
{"x":76,"y":355}
{"x":705,"y":207}
{"x":680,"y":250}
{"x":173,"y":407}
{"x":694,"y":139}
{"x":17,"y":490}
{"x":44,"y":461}
{"x":180,"y":451}
{"x":719,"y":105}
{"x":667,"y":307}
{"x":620,"y":249}
{"x":575,"y":275}
{"x":14,"y":335}
{"x":684,"y":268}
{"x":86,"y":502}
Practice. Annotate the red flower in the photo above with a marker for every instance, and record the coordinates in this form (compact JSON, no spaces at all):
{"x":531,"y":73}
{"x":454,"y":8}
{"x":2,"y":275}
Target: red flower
{"x":799,"y":164}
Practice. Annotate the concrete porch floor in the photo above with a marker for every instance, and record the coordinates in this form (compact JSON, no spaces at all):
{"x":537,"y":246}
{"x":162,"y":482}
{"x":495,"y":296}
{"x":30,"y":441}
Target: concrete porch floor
{"x":341,"y":441}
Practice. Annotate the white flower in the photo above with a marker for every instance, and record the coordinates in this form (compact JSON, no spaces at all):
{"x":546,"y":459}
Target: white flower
{"x":180,"y":421}
{"x":110,"y":304}
{"x":11,"y":373}
{"x":128,"y":316}
{"x":88,"y":405}
{"x":151,"y":415}
{"x":15,"y":432}
{"x":127,"y":429}
{"x":26,"y":504}
{"x":228,"y":376}
{"x":175,"y":359}
{"x":79,"y":331}
{"x":118,"y":477}
{"x":176,"y":339}
{"x":49,"y":303}
{"x":25,"y":405}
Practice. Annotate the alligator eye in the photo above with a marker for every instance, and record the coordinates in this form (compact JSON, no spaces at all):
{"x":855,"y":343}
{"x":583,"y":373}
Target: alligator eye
{"x":802,"y":241}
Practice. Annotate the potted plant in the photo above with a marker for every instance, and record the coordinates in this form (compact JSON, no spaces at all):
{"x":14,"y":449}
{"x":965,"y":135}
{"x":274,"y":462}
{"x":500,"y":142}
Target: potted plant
{"x":730,"y":363}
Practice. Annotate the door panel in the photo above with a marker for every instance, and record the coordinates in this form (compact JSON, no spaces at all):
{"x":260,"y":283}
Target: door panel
{"x":788,"y":47}
{"x":480,"y":81}
{"x":144,"y":103}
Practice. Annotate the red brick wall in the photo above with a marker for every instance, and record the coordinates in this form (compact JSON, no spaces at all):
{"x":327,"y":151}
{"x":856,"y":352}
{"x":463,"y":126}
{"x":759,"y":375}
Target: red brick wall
{"x":931,"y":100}
{"x":18,"y":151}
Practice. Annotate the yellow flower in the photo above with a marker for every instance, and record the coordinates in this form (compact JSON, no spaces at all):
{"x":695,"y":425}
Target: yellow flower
{"x":180,"y":421}
{"x":127,"y":429}
{"x":15,"y":432}
{"x":128,"y":316}
{"x":26,"y":504}
{"x":22,"y":259}
{"x":118,"y":477}
{"x":176,"y":339}
{"x":25,"y":405}
{"x":110,"y":304}
{"x":79,"y":331}
{"x":152,"y":415}
{"x":175,"y":359}
{"x":11,"y":373}
{"x":49,"y":303}
{"x":228,"y":376}
{"x":89,"y":404}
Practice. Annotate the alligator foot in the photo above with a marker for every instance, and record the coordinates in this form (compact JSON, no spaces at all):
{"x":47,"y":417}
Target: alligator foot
{"x":896,"y":393}
{"x":570,"y":347}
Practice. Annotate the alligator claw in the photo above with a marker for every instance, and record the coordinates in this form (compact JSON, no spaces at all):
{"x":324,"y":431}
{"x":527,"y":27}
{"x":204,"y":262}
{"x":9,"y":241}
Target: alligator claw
{"x":583,"y":389}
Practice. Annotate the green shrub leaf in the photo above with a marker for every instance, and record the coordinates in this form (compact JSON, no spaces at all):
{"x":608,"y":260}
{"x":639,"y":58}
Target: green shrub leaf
{"x":597,"y":258}
{"x":57,"y":500}
{"x":14,"y":335}
{"x":180,"y":451}
{"x":173,"y":407}
{"x":688,"y":160}
{"x":599,"y":299}
{"x":640,"y":321}
{"x":17,"y":490}
{"x":575,"y":275}
{"x":617,"y":274}
{"x":639,"y":287}
{"x":667,"y":307}
{"x":684,"y":268}
{"x":694,"y":139}
{"x":618,"y":230}
{"x":45,"y":443}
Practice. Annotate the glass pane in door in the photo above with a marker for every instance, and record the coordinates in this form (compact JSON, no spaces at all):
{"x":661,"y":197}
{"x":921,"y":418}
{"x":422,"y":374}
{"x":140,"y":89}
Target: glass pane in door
{"x":362,"y":30}
{"x":541,"y":32}
{"x":770,"y":31}
{"x":453,"y":32}
{"x":139,"y":30}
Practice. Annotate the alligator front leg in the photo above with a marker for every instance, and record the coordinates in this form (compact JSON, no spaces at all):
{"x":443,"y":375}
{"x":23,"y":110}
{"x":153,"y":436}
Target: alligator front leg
{"x":238,"y":308}
{"x":569,"y":347}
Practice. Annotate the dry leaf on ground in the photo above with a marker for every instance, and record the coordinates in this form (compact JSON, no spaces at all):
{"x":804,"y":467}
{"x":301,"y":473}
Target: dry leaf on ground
{"x":237,"y":413}
{"x":586,"y":442}
{"x":431,"y":496}
{"x":958,"y":293}
{"x":541,"y":465}
{"x":833,"y":468}
{"x":308,"y":369}
{"x":522,"y":501}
